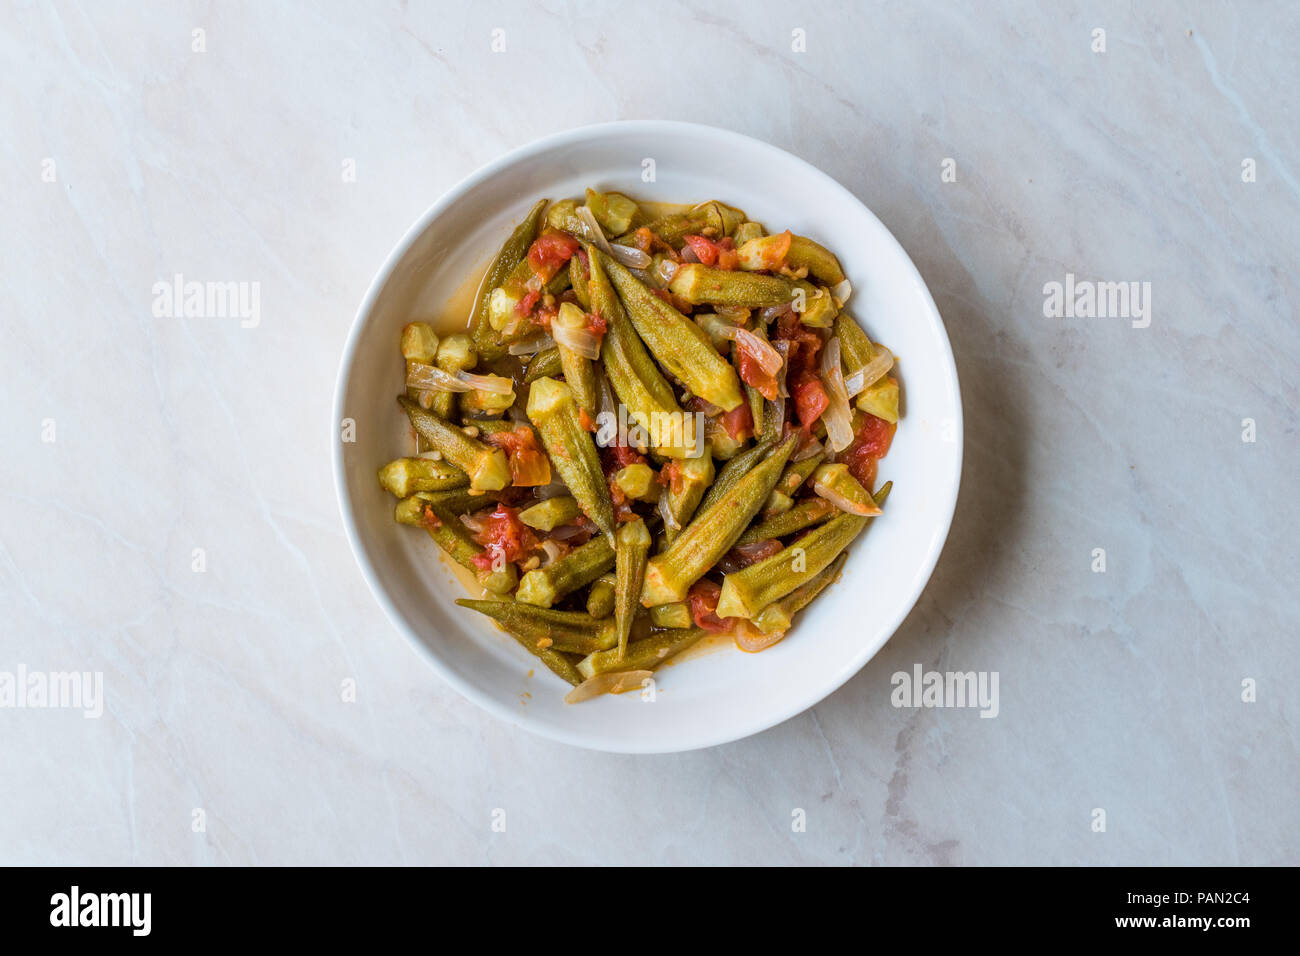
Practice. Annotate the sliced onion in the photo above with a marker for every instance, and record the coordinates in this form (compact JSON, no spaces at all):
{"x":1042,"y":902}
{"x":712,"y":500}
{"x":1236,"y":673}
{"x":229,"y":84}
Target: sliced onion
{"x":749,"y":638}
{"x":783,"y":349}
{"x":566,"y":531}
{"x":434,"y":379}
{"x":610,"y":682}
{"x":843,"y":503}
{"x":688,"y":254}
{"x":531,"y":346}
{"x":666,"y":512}
{"x":554,"y":551}
{"x":631,"y":257}
{"x":807,"y":451}
{"x":841,"y":291}
{"x":665,"y":270}
{"x":775,"y":311}
{"x":871,"y":373}
{"x":476,"y":522}
{"x":768,"y":358}
{"x":595,"y":235}
{"x":580,"y":339}
{"x":778,"y":410}
{"x":735,"y":314}
{"x":493,"y":384}
{"x":838,"y":417}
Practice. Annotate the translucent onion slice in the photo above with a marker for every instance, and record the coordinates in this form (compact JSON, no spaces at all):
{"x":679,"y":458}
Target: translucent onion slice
{"x":576,"y":337}
{"x":838,"y":417}
{"x":778,"y":407}
{"x":768,"y":358}
{"x":735,"y":314}
{"x":531,"y":346}
{"x":845,"y":504}
{"x":775,"y":311}
{"x":432,"y":378}
{"x":783,"y":349}
{"x":688,"y":254}
{"x":493,"y":384}
{"x":665,"y":270}
{"x":611,"y":682}
{"x":750,"y":639}
{"x":631,"y":256}
{"x":553,"y":552}
{"x":476,"y":522}
{"x":666,"y":512}
{"x":841,"y":291}
{"x":871,"y":373}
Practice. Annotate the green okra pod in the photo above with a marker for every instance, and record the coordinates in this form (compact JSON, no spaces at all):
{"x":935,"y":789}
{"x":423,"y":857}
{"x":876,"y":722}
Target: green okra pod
{"x":645,"y":654}
{"x":600,"y":598}
{"x":554,"y":413}
{"x":699,"y":283}
{"x":631,"y":549}
{"x":545,"y":364}
{"x":685,"y":491}
{"x":580,"y":280}
{"x":513,"y":252}
{"x":579,"y":373}
{"x":406,"y":476}
{"x":679,"y":344}
{"x":448,"y":533}
{"x":816,"y":258}
{"x":615,"y":212}
{"x":542,"y":587}
{"x":802,"y":514}
{"x":736,"y":468}
{"x":455,"y":501}
{"x":779,"y":615}
{"x":746,"y":592}
{"x":675,"y":615}
{"x":550,"y":514}
{"x":796,"y":473}
{"x":568,"y":631}
{"x":487,"y":467}
{"x":670,"y":574}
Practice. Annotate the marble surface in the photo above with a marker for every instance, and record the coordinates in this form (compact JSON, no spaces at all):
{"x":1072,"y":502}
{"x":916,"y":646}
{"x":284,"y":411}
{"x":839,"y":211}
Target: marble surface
{"x":131,"y":440}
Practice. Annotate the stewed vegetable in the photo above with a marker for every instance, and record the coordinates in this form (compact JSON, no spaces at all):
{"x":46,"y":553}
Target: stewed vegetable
{"x":659,"y":423}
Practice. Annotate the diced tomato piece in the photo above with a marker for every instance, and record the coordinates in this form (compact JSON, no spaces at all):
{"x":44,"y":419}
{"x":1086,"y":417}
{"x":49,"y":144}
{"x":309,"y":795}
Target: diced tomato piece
{"x":810,"y":398}
{"x":752,"y":374}
{"x":703,"y":599}
{"x":618,"y":456}
{"x":596,"y":324}
{"x":528,"y":302}
{"x":728,"y":258}
{"x":586,"y":421}
{"x":870,"y":444}
{"x":738,"y":423}
{"x":529,"y":467}
{"x":706,"y":250}
{"x":504,"y":537}
{"x":549,"y":251}
{"x":670,"y":476}
{"x":429,"y":518}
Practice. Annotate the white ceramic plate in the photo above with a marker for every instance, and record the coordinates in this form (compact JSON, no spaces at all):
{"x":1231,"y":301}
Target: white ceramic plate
{"x":709,"y":698}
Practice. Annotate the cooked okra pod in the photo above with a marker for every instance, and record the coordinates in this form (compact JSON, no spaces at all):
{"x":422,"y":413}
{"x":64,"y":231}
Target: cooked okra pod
{"x":670,"y":574}
{"x":632,"y":547}
{"x":748,"y":591}
{"x":487,"y":467}
{"x":545,"y":364}
{"x":578,"y":371}
{"x":600,"y":599}
{"x":802,"y":514}
{"x":643,"y":655}
{"x":549,"y":514}
{"x":688,"y":480}
{"x":676,"y":342}
{"x":698,"y":283}
{"x":544,"y":586}
{"x":675,"y":615}
{"x":735,"y":469}
{"x":552,"y":409}
{"x":778,"y":615}
{"x":512,"y":253}
{"x":406,"y":476}
{"x":568,"y":631}
{"x":448,"y":533}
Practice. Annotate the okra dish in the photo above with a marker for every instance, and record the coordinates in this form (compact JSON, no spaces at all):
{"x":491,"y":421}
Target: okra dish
{"x":660,"y":422}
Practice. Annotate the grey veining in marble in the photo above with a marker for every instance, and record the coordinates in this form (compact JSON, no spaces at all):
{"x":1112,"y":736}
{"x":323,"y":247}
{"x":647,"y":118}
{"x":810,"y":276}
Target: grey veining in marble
{"x":131,"y":440}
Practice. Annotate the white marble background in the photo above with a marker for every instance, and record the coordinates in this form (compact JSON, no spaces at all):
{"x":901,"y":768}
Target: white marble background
{"x":1120,"y":691}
